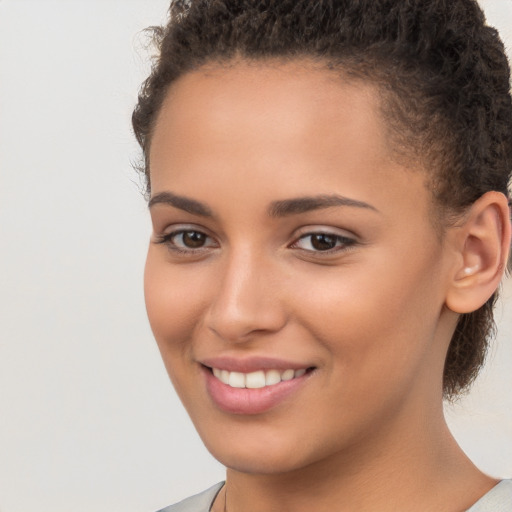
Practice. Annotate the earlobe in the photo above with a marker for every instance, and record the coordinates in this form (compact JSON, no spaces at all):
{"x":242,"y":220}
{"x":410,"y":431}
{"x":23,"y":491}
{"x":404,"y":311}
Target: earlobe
{"x":483,"y":244}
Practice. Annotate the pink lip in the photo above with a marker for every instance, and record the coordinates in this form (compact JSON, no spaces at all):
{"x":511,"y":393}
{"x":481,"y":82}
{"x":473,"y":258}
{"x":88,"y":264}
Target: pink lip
{"x":252,"y":364}
{"x":250,"y":401}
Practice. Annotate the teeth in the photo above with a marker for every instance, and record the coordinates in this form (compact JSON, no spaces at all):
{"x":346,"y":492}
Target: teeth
{"x":224,"y":376}
{"x":288,"y":375}
{"x":272,"y":377}
{"x":258,"y":379}
{"x":236,"y":380}
{"x":255,"y":380}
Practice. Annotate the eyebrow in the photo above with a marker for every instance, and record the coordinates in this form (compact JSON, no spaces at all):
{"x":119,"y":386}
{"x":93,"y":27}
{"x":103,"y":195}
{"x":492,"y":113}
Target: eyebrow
{"x":181,"y":202}
{"x":280,"y":208}
{"x":305,"y":204}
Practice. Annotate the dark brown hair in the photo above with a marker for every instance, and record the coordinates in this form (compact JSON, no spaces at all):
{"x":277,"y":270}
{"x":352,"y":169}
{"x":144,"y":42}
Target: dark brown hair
{"x":442,"y":73}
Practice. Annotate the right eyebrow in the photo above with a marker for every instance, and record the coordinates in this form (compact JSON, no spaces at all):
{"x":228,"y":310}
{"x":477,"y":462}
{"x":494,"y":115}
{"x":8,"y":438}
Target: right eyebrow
{"x":181,"y":202}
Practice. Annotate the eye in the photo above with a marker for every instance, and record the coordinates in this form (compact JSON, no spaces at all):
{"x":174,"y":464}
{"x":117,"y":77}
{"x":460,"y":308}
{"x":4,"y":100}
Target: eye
{"x":190,"y":239}
{"x":186,"y":240}
{"x":323,"y":242}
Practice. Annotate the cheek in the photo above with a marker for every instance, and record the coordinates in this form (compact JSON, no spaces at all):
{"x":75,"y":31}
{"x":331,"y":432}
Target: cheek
{"x":173,"y":303}
{"x":375,"y":320}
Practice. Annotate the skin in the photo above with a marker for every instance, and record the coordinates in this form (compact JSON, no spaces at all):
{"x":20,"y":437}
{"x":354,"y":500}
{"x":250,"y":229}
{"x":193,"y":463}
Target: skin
{"x":370,"y":316}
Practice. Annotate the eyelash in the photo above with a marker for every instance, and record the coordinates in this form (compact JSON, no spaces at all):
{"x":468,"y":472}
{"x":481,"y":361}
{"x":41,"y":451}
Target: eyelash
{"x":344,"y":242}
{"x":167,"y":240}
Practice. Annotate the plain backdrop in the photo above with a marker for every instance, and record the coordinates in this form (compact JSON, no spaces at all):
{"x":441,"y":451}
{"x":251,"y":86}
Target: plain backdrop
{"x":88,"y":419}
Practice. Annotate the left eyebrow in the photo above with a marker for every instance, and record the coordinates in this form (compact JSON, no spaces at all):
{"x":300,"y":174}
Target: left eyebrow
{"x":298,"y":205}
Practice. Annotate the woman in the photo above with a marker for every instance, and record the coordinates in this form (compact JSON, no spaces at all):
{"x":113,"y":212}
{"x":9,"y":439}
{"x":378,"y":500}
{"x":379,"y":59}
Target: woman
{"x":327,"y":184}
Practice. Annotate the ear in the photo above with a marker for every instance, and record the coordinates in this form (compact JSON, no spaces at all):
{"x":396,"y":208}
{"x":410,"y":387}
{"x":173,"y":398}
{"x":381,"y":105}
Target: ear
{"x":482,"y":243}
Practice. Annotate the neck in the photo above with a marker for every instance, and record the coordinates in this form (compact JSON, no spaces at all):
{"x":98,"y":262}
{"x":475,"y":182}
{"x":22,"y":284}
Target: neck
{"x":388,"y":472}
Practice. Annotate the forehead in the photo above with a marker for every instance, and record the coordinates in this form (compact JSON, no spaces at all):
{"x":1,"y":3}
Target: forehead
{"x":261,"y":105}
{"x":278,"y":129}
{"x":268,"y":94}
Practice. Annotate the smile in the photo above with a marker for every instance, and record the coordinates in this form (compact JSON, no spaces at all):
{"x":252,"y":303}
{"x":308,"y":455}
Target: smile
{"x":253,"y":386}
{"x":257,"y":379}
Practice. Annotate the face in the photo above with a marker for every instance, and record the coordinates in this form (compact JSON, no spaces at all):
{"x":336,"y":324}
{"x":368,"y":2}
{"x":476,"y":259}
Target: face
{"x":294,"y":281}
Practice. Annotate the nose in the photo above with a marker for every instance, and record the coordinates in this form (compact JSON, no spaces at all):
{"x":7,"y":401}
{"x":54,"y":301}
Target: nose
{"x":247,"y":302}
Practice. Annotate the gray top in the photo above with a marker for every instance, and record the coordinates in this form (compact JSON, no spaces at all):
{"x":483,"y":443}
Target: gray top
{"x":498,"y":499}
{"x":199,"y":503}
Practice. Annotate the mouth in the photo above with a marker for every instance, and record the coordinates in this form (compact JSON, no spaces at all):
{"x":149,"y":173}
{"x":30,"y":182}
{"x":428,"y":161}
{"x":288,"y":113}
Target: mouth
{"x":257,"y":379}
{"x":255,"y":390}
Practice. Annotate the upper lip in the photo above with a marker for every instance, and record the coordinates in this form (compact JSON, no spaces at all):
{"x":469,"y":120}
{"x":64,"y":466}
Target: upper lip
{"x":251,"y":364}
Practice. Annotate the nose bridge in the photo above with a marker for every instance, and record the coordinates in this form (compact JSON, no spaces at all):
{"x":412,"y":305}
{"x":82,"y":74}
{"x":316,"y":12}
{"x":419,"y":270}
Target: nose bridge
{"x":245,"y":303}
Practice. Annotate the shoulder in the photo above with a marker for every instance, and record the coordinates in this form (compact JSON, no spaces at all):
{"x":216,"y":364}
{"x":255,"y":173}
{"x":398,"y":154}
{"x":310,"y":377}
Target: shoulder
{"x":198,"y":503}
{"x":498,"y":499}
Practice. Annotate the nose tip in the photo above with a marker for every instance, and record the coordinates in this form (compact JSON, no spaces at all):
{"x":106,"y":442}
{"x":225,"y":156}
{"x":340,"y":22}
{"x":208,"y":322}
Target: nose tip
{"x":236,"y":325}
{"x":245,"y":306}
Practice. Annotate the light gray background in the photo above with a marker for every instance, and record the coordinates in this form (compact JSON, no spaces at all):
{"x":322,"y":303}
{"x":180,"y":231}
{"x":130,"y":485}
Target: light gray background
{"x":88,"y":420}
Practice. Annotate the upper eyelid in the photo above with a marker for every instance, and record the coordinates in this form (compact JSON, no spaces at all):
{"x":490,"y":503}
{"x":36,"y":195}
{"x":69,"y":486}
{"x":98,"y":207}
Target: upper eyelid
{"x":325,"y":230}
{"x":180,"y":228}
{"x":176,"y":232}
{"x":326,"y":233}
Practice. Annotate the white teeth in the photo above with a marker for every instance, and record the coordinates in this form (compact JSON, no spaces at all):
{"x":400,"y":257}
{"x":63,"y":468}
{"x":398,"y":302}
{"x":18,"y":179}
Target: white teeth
{"x":236,"y":380}
{"x":255,"y":380}
{"x":258,"y":379}
{"x":288,"y":375}
{"x":272,"y":377}
{"x":224,"y":376}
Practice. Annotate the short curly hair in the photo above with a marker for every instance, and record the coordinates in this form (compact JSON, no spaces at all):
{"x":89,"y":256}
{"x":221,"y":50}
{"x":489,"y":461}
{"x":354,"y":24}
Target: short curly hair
{"x":443,"y":76}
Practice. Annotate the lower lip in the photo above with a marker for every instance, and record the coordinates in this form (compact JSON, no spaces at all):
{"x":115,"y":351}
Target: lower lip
{"x":250,"y":401}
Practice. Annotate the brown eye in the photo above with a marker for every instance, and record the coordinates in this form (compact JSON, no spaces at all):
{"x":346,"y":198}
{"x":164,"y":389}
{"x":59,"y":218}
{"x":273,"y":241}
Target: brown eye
{"x":318,"y":242}
{"x":323,"y":242}
{"x":192,"y":239}
{"x":187,"y":241}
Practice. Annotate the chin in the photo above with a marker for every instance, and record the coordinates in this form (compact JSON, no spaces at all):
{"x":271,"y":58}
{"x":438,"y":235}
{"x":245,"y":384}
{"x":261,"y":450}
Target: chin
{"x":261,"y":463}
{"x":257,"y":452}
